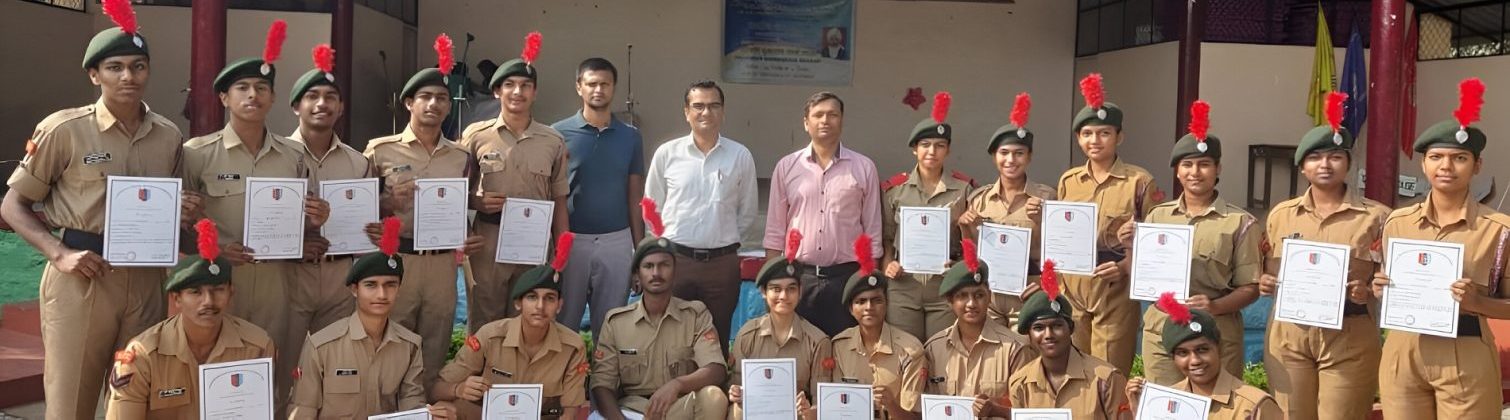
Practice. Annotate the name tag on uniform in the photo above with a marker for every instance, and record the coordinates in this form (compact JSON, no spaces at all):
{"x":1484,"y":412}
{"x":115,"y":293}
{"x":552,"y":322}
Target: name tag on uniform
{"x":346,"y":372}
{"x":505,"y":374}
{"x":228,"y":177}
{"x":849,"y":380}
{"x":629,"y":352}
{"x":94,"y":158}
{"x":165,"y":393}
{"x":397,"y":169}
{"x":936,"y":380}
{"x":490,"y":156}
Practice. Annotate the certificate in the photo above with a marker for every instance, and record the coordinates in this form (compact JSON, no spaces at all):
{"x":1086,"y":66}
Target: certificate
{"x":440,"y":213}
{"x":1312,"y":283}
{"x":845,"y":402}
{"x":273,"y":226}
{"x":1161,"y":261}
{"x":353,"y":204}
{"x":770,"y":388}
{"x":524,"y":234}
{"x":141,"y":221}
{"x":948,"y":407}
{"x":1419,"y":296}
{"x":1005,"y":249}
{"x":1069,"y":236}
{"x":242,"y":389}
{"x":512,"y":402}
{"x":422,"y":413}
{"x":1042,"y":414}
{"x":924,"y":239}
{"x":1164,"y":403}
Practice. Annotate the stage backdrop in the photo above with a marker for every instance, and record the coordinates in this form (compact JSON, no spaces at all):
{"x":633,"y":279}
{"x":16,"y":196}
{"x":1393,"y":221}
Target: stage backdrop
{"x":793,"y":42}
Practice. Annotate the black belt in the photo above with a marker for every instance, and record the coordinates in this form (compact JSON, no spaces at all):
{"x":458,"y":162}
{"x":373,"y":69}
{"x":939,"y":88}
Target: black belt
{"x":1103,"y":257}
{"x":551,"y":407}
{"x":1033,"y":268}
{"x":848,"y":268}
{"x":494,"y":218}
{"x":705,"y":254}
{"x":93,"y":242}
{"x":406,"y":246}
{"x":1352,"y":309}
{"x":1468,"y":326}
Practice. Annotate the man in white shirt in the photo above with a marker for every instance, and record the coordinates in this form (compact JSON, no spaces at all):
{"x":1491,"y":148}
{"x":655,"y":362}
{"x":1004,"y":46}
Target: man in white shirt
{"x":705,"y":185}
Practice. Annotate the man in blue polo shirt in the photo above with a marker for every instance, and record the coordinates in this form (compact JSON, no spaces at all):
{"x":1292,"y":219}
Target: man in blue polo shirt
{"x":606,"y":171}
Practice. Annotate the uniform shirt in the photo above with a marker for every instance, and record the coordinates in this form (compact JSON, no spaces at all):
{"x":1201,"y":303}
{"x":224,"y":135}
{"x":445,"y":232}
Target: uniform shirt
{"x":831,"y":207}
{"x":949,"y":369}
{"x":1126,"y":195}
{"x":496,"y":353}
{"x":1092,"y":389}
{"x":156,"y":377}
{"x":897,"y":355}
{"x":1232,"y":399}
{"x":906,"y":190}
{"x":707,"y":200}
{"x":402,"y":158}
{"x":636,"y":355}
{"x":992,"y":207}
{"x":72,"y":152}
{"x":1484,"y":233}
{"x":807,"y":344}
{"x":1225,"y":254}
{"x":532,"y":165}
{"x":598,"y":165}
{"x":218,"y":166}
{"x":1358,"y":222}
{"x":342,"y":373}
{"x":335,"y":163}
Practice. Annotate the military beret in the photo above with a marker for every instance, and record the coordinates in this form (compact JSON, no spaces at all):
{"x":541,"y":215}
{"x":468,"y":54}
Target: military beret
{"x":1038,"y":307}
{"x":540,"y":277}
{"x":858,"y":284}
{"x":113,"y":42}
{"x":969,"y":272}
{"x":656,"y":242}
{"x":426,"y":77}
{"x":776,"y":268}
{"x":515,"y":67}
{"x":194,"y":271}
{"x":1321,"y":139}
{"x":649,"y":246}
{"x":1445,"y":135}
{"x":1010,"y":134}
{"x":1189,"y":147}
{"x":248,"y":67}
{"x":1201,"y":324}
{"x":934,"y":126}
{"x":1108,"y":114}
{"x":373,"y":265}
{"x":308,"y":81}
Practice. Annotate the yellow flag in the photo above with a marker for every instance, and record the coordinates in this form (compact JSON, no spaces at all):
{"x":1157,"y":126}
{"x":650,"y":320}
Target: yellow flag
{"x":1323,"y":68}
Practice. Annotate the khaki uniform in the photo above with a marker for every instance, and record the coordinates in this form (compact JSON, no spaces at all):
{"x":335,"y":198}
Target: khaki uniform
{"x":531,"y":166}
{"x":914,"y":303}
{"x":1105,"y":314}
{"x":426,"y":302}
{"x":1232,"y":399}
{"x":1304,"y":360}
{"x":346,"y":373}
{"x":637,"y":355}
{"x":992,"y":207}
{"x":1092,"y":389}
{"x":897,"y":355}
{"x":158,"y":377}
{"x":496,"y":353}
{"x":1225,"y":256}
{"x":71,"y":153}
{"x":757,"y":340}
{"x":1422,"y":376}
{"x":985,"y":369}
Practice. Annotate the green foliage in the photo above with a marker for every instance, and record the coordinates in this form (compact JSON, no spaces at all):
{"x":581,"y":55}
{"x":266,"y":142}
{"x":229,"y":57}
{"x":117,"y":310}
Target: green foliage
{"x":1137,"y":367}
{"x":458,"y":337}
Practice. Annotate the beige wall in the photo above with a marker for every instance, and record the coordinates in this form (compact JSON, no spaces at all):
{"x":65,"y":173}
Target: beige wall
{"x":1141,"y":81}
{"x":53,"y":79}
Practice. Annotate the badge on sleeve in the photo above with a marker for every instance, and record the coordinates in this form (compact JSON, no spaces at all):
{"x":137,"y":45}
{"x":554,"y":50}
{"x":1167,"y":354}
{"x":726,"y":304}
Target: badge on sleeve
{"x":298,"y":373}
{"x":710,"y":335}
{"x":473,"y":343}
{"x":597,"y":354}
{"x":582,"y":368}
{"x":828,"y":363}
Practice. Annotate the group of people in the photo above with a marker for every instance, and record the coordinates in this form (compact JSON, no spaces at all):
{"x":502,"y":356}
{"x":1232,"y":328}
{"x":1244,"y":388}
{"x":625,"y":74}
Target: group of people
{"x":369,"y":334}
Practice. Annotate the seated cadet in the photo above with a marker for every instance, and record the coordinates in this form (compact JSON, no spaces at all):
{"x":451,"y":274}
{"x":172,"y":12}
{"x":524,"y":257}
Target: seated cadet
{"x":974,"y":357}
{"x":876,"y":352}
{"x":1191,"y":338}
{"x":168,"y":354}
{"x":660,"y":356}
{"x":1062,"y":376}
{"x":530,"y":348}
{"x":782,"y":333}
{"x":364,"y":364}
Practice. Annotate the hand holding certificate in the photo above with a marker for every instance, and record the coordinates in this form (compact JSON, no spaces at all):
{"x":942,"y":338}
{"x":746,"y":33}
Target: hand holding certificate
{"x":1005,"y":249}
{"x":512,"y":402}
{"x":924,"y":233}
{"x":1312,"y":283}
{"x":1161,"y":261}
{"x":524,"y":235}
{"x":142,"y":221}
{"x":948,"y":407}
{"x":1069,"y":236}
{"x":1419,"y":296}
{"x":236,"y":390}
{"x":356,"y":201}
{"x":273,"y":227}
{"x":770,"y":389}
{"x":1164,"y":403}
{"x":845,"y":402}
{"x":440,"y":213}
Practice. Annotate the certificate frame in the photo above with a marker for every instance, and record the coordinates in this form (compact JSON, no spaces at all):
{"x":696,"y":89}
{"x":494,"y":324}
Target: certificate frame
{"x":347,"y":189}
{"x":1009,"y":269}
{"x":422,"y":413}
{"x":845,"y":396}
{"x":946,"y":407}
{"x":147,"y":188}
{"x":299,"y":187}
{"x":1052,"y":210}
{"x":1454,"y":251}
{"x":1042,"y":414}
{"x":236,"y":374}
{"x":751,"y":368}
{"x":1297,"y":250}
{"x":905,"y":215}
{"x":1174,"y":401}
{"x":512,"y":394}
{"x":513,"y":209}
{"x":424,"y":184}
{"x":1160,"y":233}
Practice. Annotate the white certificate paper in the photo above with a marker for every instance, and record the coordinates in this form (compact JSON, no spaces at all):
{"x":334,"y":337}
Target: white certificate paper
{"x":421,"y":413}
{"x":353,"y":204}
{"x":948,"y":407}
{"x":924,"y":239}
{"x":273,"y":226}
{"x":1312,"y":283}
{"x":1161,"y":261}
{"x":512,"y":402}
{"x":524,"y":234}
{"x":1042,"y":414}
{"x":1164,"y":403}
{"x":770,"y":388}
{"x":241,"y":389}
{"x":845,"y":401}
{"x":440,"y":213}
{"x":1419,"y":296}
{"x":141,"y":221}
{"x":1005,"y":249}
{"x":1069,"y":236}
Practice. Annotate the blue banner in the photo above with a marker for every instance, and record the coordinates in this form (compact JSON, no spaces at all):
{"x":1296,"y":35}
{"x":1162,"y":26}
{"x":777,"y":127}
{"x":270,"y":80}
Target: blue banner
{"x":798,"y":42}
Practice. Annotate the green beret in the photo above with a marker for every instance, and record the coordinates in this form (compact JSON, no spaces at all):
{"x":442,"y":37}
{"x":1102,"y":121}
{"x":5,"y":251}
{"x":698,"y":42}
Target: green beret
{"x":1010,"y":134}
{"x":193,"y":271}
{"x":1189,"y":147}
{"x":1038,"y":307}
{"x":959,"y":276}
{"x":1321,"y":139}
{"x":515,"y":67}
{"x":241,"y":69}
{"x":308,"y":81}
{"x":776,"y":268}
{"x":1201,"y":325}
{"x":373,"y":265}
{"x":1445,"y":134}
{"x":930,"y":129}
{"x":540,"y":277}
{"x":426,"y":77}
{"x":650,"y":245}
{"x":858,"y":284}
{"x":113,"y":42}
{"x":1108,"y":114}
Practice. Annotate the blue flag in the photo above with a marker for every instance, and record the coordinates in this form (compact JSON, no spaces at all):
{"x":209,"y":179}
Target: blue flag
{"x":1354,"y":82}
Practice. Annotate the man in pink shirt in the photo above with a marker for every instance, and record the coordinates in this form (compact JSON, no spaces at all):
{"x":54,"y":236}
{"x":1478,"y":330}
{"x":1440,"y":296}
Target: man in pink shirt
{"x":830,"y":194}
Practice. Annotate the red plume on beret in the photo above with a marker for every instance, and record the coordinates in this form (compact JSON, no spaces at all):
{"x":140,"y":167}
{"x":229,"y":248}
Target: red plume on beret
{"x":1470,"y":101}
{"x":325,"y":58}
{"x":1334,"y":100}
{"x":864,"y":256}
{"x":941,"y":102}
{"x":388,"y":244}
{"x":276,"y":34}
{"x":122,"y":14}
{"x":443,"y":54}
{"x":972,"y":261}
{"x":793,"y":242}
{"x":563,"y":251}
{"x":652,"y":216}
{"x":1049,"y":280}
{"x":1020,"y":108}
{"x":209,"y":239}
{"x":531,"y":48}
{"x":1178,"y":312}
{"x":1090,"y":88}
{"x":1200,"y":119}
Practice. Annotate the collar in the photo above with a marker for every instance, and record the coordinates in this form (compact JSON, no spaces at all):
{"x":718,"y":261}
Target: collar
{"x":176,"y":343}
{"x":231,"y":141}
{"x":807,"y":153}
{"x":1216,"y":205}
{"x":335,"y":143}
{"x":692,"y":144}
{"x":535,"y":127}
{"x":1350,"y":200}
{"x":991,"y":332}
{"x":1074,"y":370}
{"x":1427,"y":215}
{"x":672,"y":311}
{"x":103,"y":119}
{"x":515,"y":338}
{"x":994,"y":191}
{"x":883,"y":343}
{"x":768,"y":330}
{"x":408,"y":137}
{"x":947,"y":181}
{"x":1226,"y":385}
{"x":579,"y":120}
{"x":356,"y":332}
{"x":1119,"y":169}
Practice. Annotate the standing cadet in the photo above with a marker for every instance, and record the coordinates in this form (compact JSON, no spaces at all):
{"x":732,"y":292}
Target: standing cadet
{"x":530,"y":348}
{"x":91,"y":308}
{"x":516,"y":157}
{"x":1224,"y":264}
{"x":1302,"y":360}
{"x":876,"y":352}
{"x":1106,"y":314}
{"x":1192,"y":338}
{"x":783,"y":333}
{"x":659,"y":357}
{"x":1063,"y":376}
{"x":913,"y":298}
{"x":157,"y":375}
{"x":1422,"y":376}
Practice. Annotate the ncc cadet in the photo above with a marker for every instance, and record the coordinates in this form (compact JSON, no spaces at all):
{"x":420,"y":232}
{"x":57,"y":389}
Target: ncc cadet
{"x":157,"y":375}
{"x":1106,"y":314}
{"x":660,"y":356}
{"x":1322,"y":373}
{"x":913,"y":298}
{"x":92,"y":308}
{"x":516,"y":157}
{"x":876,"y":352}
{"x":529,"y":348}
{"x":782,"y":333}
{"x":1194,"y":342}
{"x":1063,"y":376}
{"x":1424,"y":376}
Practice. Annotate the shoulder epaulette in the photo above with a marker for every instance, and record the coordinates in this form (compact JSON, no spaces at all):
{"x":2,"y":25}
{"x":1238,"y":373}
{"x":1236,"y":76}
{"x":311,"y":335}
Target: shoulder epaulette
{"x":894,"y":181}
{"x":962,"y":177}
